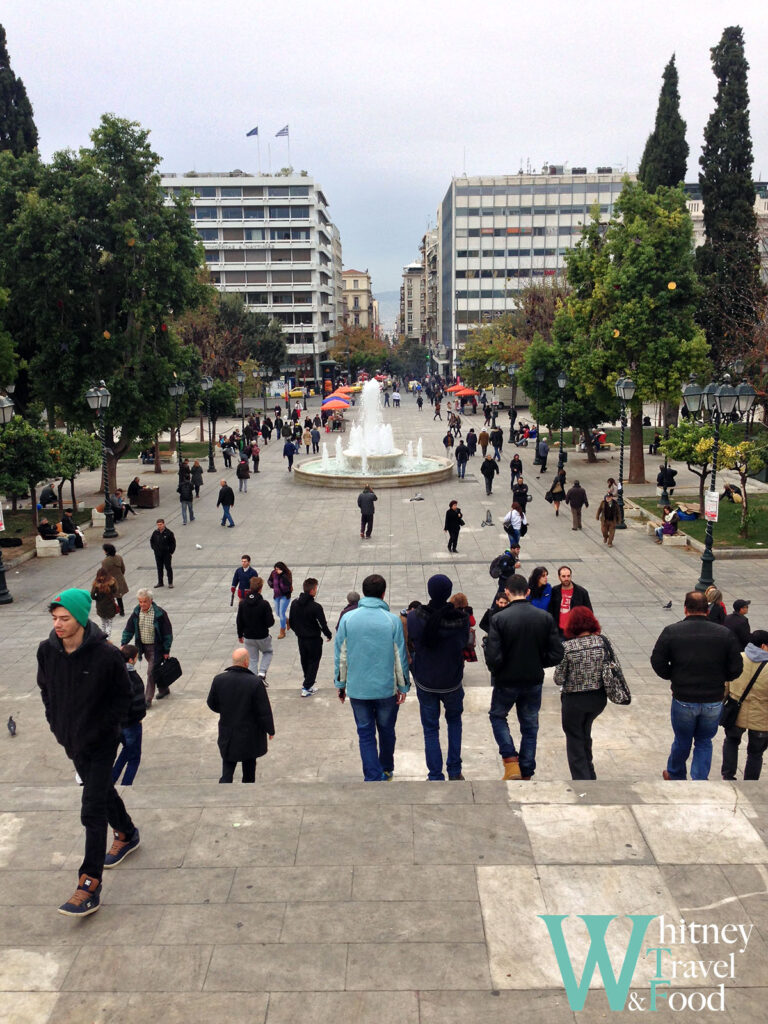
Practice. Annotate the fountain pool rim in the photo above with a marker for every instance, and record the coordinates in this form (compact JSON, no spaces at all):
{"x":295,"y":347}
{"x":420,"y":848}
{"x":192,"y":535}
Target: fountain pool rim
{"x":443,"y":470}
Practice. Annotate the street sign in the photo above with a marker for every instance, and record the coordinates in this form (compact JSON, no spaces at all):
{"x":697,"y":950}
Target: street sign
{"x":711,"y":506}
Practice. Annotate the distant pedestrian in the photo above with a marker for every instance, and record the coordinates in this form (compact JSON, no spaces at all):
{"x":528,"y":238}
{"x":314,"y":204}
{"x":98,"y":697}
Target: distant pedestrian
{"x":520,"y":494}
{"x":289,"y":450}
{"x":556,"y":493}
{"x":241,"y":580}
{"x":542,"y":450}
{"x":353,"y":600}
{"x":315,"y":436}
{"x":482,"y":439}
{"x":515,"y":469}
{"x":186,"y":491}
{"x":306,"y":439}
{"x":453,"y":523}
{"x":245,"y":717}
{"x":419,"y":402}
{"x":448,"y":444}
{"x":462,"y":455}
{"x":281,"y":582}
{"x":366,"y":500}
{"x":489,"y":469}
{"x":307,"y":620}
{"x":497,"y":440}
{"x":255,"y":455}
{"x":225,"y":501}
{"x":738,"y":622}
{"x":577,"y":499}
{"x":104,"y":593}
{"x":243,"y":474}
{"x":608,"y":514}
{"x":163,"y":544}
{"x":196,"y":474}
{"x":437,"y":415}
{"x":471,"y":441}
{"x":115,"y":567}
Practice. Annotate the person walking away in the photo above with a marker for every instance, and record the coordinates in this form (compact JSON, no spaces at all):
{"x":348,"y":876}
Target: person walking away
{"x":557,"y":491}
{"x":566,"y":595}
{"x":150,"y":628}
{"x":243,"y":474}
{"x":307,"y":620}
{"x":462,"y":455}
{"x":489,"y":469}
{"x":281,"y":582}
{"x":104,"y":593}
{"x":366,"y":500}
{"x":246,"y":724}
{"x":419,"y":402}
{"x":753,"y":715}
{"x":438,"y":633}
{"x":315,"y":436}
{"x":698,"y":657}
{"x":583,"y":696}
{"x":371,"y":667}
{"x":113,"y":564}
{"x":254,"y":618}
{"x":86,"y":692}
{"x":542,"y":450}
{"x":738,"y":622}
{"x":496,"y":437}
{"x":522,"y":641}
{"x":577,"y":499}
{"x":608,"y":514}
{"x":483,"y":438}
{"x":289,"y":450}
{"x":186,"y":491}
{"x":163,"y":544}
{"x":131,"y":733}
{"x":196,"y":476}
{"x":241,"y":580}
{"x":471,"y":441}
{"x":453,"y":523}
{"x":306,"y":439}
{"x":225,"y":501}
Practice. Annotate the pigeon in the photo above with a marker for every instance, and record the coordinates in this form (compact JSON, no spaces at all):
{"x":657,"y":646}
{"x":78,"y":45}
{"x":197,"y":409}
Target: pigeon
{"x":668,"y":605}
{"x":417,"y":497}
{"x":199,"y":547}
{"x":11,"y":726}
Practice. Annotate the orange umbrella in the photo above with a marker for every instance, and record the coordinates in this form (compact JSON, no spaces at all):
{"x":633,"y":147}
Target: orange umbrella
{"x":467,"y":392}
{"x":335,"y":403}
{"x":455,"y":387}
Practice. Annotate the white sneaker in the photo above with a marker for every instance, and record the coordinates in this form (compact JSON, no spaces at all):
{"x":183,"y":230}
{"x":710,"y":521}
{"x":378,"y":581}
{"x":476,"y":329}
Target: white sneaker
{"x":308,"y":693}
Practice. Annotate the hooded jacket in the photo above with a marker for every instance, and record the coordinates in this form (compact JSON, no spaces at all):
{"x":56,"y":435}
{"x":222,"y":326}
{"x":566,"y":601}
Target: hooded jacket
{"x":754,"y":710}
{"x":307,"y":618}
{"x":86,"y":694}
{"x":254,"y":617}
{"x":438,"y":667}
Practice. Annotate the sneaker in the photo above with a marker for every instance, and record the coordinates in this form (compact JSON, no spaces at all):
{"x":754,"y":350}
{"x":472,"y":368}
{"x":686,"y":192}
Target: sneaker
{"x":121,"y":847}
{"x":387,"y":776}
{"x":308,"y":693}
{"x":170,"y":586}
{"x":84,"y":900}
{"x":159,"y":585}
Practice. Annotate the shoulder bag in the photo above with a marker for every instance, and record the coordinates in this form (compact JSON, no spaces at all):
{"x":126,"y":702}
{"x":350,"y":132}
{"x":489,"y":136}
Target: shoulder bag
{"x":613,"y":678}
{"x":732,"y":706}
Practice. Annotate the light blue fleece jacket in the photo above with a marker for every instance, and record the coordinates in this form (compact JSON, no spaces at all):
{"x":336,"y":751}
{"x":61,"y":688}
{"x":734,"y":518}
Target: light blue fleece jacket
{"x":371,"y":661}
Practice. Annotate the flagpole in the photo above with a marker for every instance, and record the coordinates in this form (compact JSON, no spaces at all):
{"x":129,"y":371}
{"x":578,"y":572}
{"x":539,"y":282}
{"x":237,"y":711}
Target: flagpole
{"x":288,"y":140}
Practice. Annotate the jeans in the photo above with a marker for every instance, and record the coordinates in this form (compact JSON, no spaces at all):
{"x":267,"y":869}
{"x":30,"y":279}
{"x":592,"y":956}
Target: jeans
{"x":100,"y":806}
{"x":242,"y":485}
{"x":577,"y":713}
{"x":372,"y":717}
{"x":527,"y":700}
{"x":281,"y":607}
{"x":130,"y":756}
{"x":226,"y":515}
{"x":514,"y":536}
{"x":461,"y":468}
{"x":497,"y":453}
{"x":692,"y":724}
{"x":259,"y":647}
{"x":310,"y":653}
{"x":757,"y":743}
{"x":228,"y":770}
{"x":186,"y":510}
{"x":429,"y":707}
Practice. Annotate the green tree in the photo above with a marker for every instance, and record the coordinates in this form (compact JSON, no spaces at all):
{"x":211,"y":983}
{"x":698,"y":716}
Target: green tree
{"x":744,"y":456}
{"x":666,"y":152}
{"x":72,"y":453}
{"x":409,"y":359}
{"x":17,"y":124}
{"x":26,"y":458}
{"x":728,"y":263}
{"x":632,"y":307}
{"x":7,"y":348}
{"x":496,"y":342}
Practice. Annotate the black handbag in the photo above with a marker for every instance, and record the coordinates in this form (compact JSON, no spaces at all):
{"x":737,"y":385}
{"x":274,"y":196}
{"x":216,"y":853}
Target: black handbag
{"x":166,"y":673}
{"x":613,"y":678}
{"x":731,"y":706}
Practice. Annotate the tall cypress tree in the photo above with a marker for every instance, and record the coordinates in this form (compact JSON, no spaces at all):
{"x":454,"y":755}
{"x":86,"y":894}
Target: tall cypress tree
{"x":17,"y":125}
{"x":666,"y":151}
{"x":729,"y":260}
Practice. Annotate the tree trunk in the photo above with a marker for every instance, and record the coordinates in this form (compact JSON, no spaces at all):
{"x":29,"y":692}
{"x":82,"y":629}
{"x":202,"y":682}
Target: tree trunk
{"x":158,"y":467}
{"x":172,"y":440}
{"x":72,"y":489}
{"x":33,"y":496}
{"x":636,"y":473}
{"x":671,"y":414}
{"x":202,"y":429}
{"x":59,"y":489}
{"x":590,"y":448}
{"x":744,"y":524}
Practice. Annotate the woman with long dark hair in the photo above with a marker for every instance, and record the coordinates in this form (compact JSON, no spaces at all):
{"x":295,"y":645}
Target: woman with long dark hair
{"x":115,"y":568}
{"x":539,"y":589}
{"x":104,"y":593}
{"x":281,"y":582}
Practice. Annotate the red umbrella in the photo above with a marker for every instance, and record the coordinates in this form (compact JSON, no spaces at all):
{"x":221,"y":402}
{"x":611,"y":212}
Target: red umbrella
{"x":335,"y":403}
{"x":467,"y":392}
{"x":455,"y":387}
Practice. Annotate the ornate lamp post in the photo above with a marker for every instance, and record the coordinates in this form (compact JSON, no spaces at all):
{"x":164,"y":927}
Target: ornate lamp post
{"x":625,"y":391}
{"x":562,"y":380}
{"x":206,"y":384}
{"x":720,"y":401}
{"x":98,"y":399}
{"x":175,"y":390}
{"x":263,"y":374}
{"x":539,"y":377}
{"x":6,"y":415}
{"x":745,"y":397}
{"x":496,"y":368}
{"x":512,"y":371}
{"x":241,"y":381}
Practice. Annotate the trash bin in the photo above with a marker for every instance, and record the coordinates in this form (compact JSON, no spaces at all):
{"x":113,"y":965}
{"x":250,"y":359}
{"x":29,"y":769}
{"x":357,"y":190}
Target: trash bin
{"x":149,"y":497}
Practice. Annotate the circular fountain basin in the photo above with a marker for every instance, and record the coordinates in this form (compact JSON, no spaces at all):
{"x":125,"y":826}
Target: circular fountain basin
{"x":391,"y":470}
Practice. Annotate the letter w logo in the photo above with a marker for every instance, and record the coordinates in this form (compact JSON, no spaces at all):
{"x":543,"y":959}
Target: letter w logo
{"x":615,"y":989}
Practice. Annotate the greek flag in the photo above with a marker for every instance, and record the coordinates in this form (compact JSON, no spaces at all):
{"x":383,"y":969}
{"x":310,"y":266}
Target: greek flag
{"x":282,"y":132}
{"x":253,"y":131}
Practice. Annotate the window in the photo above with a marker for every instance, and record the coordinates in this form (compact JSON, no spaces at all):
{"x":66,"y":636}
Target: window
{"x":254,"y":234}
{"x":234,"y":256}
{"x":256,"y":276}
{"x":254,"y":213}
{"x":232,"y":235}
{"x":253,"y":192}
{"x":209,"y":234}
{"x":300,"y":191}
{"x":231,"y":193}
{"x":257,"y":298}
{"x":211,"y":256}
{"x":205,"y":191}
{"x":278,"y":191}
{"x":281,"y":276}
{"x":357,"y":320}
{"x":302,"y":297}
{"x":280,"y":234}
{"x":206,"y":212}
{"x":232,"y":212}
{"x":356,"y":303}
{"x":355,"y":284}
{"x":280,"y":212}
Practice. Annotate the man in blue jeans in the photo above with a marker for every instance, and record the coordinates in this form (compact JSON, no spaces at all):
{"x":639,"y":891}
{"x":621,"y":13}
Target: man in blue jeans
{"x":522,"y":641}
{"x":698,"y":656}
{"x":371,"y":666}
{"x":439,"y":633}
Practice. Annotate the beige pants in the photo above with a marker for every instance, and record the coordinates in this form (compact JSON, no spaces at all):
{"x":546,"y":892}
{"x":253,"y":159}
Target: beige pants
{"x":576,"y":517}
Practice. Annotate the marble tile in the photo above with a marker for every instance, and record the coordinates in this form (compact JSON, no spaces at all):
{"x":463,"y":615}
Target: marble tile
{"x":348,"y":835}
{"x":417,"y":965}
{"x":470,"y":835}
{"x":34,"y":969}
{"x":564,"y":834}
{"x":277,"y":967}
{"x":497,"y":1007}
{"x":343,"y":1007}
{"x":447,"y":882}
{"x":226,"y":923}
{"x":30,"y":1008}
{"x":163,"y":887}
{"x":292,"y":884}
{"x":139,"y":969}
{"x":696,"y":834}
{"x":422,"y":921}
{"x":233,"y":836}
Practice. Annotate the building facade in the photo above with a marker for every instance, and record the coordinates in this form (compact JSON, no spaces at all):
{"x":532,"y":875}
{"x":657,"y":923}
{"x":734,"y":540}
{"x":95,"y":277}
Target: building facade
{"x":358,"y":299}
{"x":270,"y":239}
{"x":413,"y":300}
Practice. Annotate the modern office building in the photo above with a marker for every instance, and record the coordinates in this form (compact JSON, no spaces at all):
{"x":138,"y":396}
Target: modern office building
{"x":358,"y":299}
{"x":269,"y":238}
{"x":497,"y":235}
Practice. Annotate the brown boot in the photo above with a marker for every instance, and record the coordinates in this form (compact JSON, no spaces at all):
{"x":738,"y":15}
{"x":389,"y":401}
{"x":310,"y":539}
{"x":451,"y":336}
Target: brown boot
{"x":511,"y":769}
{"x":281,"y":634}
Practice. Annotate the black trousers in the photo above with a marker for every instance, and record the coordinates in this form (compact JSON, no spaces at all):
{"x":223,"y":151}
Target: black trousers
{"x":757,"y":743}
{"x":310,"y":653}
{"x":228,"y":770}
{"x":101,"y":805}
{"x":578,"y":712}
{"x":163,"y":561}
{"x":453,"y":536}
{"x":366,"y":524}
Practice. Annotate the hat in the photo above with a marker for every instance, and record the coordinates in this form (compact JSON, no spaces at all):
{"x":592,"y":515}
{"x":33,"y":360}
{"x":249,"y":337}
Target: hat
{"x":439,"y":587}
{"x":738,"y":605}
{"x":77,"y":603}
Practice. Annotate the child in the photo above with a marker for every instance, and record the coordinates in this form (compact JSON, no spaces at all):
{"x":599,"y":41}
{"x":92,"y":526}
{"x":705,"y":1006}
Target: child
{"x":130,"y":756}
{"x":460,"y":601}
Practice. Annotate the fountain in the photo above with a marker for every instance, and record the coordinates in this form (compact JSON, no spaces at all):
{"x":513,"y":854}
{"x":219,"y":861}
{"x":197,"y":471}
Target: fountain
{"x":371,"y":455}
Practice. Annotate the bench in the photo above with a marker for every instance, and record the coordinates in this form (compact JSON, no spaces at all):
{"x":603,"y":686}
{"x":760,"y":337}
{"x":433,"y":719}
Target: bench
{"x":674,"y":540}
{"x":168,"y":456}
{"x":47,"y":548}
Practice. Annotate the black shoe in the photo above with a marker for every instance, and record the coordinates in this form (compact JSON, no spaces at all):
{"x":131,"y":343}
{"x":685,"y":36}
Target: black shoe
{"x":162,"y":694}
{"x":159,"y":585}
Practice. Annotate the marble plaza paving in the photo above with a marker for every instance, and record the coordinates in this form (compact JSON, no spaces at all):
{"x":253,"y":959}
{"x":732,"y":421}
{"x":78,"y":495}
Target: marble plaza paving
{"x":310,"y":896}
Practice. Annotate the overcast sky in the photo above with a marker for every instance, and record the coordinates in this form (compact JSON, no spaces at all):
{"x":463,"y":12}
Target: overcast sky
{"x":385,"y":102}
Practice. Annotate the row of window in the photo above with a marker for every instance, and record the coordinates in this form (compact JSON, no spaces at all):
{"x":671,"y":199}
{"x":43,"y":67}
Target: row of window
{"x":248,"y":192}
{"x":255,"y":235}
{"x":249,"y":212}
{"x":278,"y":277}
{"x":505,"y":232}
{"x":554,"y":188}
{"x":279,"y":298}
{"x":505,"y":271}
{"x":500,"y":293}
{"x":578,"y":206}
{"x":294,"y":319}
{"x":259,"y":255}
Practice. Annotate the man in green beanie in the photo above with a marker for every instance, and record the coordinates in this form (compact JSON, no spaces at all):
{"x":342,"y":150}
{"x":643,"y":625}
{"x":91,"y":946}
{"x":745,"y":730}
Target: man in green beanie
{"x":86,"y":692}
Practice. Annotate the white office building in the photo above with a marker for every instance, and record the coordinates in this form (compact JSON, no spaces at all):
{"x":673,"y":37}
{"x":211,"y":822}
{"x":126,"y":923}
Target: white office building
{"x":269,"y":238}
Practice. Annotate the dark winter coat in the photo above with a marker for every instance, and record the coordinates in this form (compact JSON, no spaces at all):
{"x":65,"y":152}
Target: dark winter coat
{"x":226,"y":496}
{"x":366,"y":501}
{"x":86,"y":694}
{"x":138,"y":707}
{"x":739,"y":624}
{"x":462,"y":452}
{"x":115,"y":567}
{"x":454,"y":520}
{"x":196,"y":474}
{"x":162,"y":542}
{"x":243,"y":471}
{"x":577,"y":498}
{"x":580,"y":599}
{"x":254,"y":617}
{"x":522,"y":642}
{"x":245,"y":714}
{"x":489,"y":468}
{"x":163,"y":632}
{"x":307,"y":618}
{"x":438,"y":667}
{"x":186,"y":491}
{"x":698,"y":657}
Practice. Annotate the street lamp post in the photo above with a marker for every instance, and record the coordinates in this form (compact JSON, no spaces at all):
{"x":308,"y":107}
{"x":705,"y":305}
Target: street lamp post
{"x":562,"y":380}
{"x":512,"y":371}
{"x":539,"y":377}
{"x":98,"y":398}
{"x":207,"y":384}
{"x":746,"y":397}
{"x":625,"y":391}
{"x":720,"y":401}
{"x":6,"y":415}
{"x":241,"y":381}
{"x":175,"y":390}
{"x":496,"y":368}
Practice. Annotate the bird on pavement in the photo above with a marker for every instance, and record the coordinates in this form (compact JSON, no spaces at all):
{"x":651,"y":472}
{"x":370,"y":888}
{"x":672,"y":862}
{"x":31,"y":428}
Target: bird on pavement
{"x":668,"y":605}
{"x":11,"y":726}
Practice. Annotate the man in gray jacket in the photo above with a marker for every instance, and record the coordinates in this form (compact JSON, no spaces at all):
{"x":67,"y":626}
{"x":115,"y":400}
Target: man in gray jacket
{"x":365,"y":501}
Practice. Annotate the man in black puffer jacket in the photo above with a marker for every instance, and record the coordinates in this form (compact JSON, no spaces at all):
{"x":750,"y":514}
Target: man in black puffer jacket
{"x":522,"y":641}
{"x":254,"y":617}
{"x":86,"y":693}
{"x":438,"y":633}
{"x":307,"y":619}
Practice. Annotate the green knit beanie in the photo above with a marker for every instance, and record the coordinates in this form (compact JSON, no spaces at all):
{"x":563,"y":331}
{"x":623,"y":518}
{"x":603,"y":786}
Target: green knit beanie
{"x":77,"y":603}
